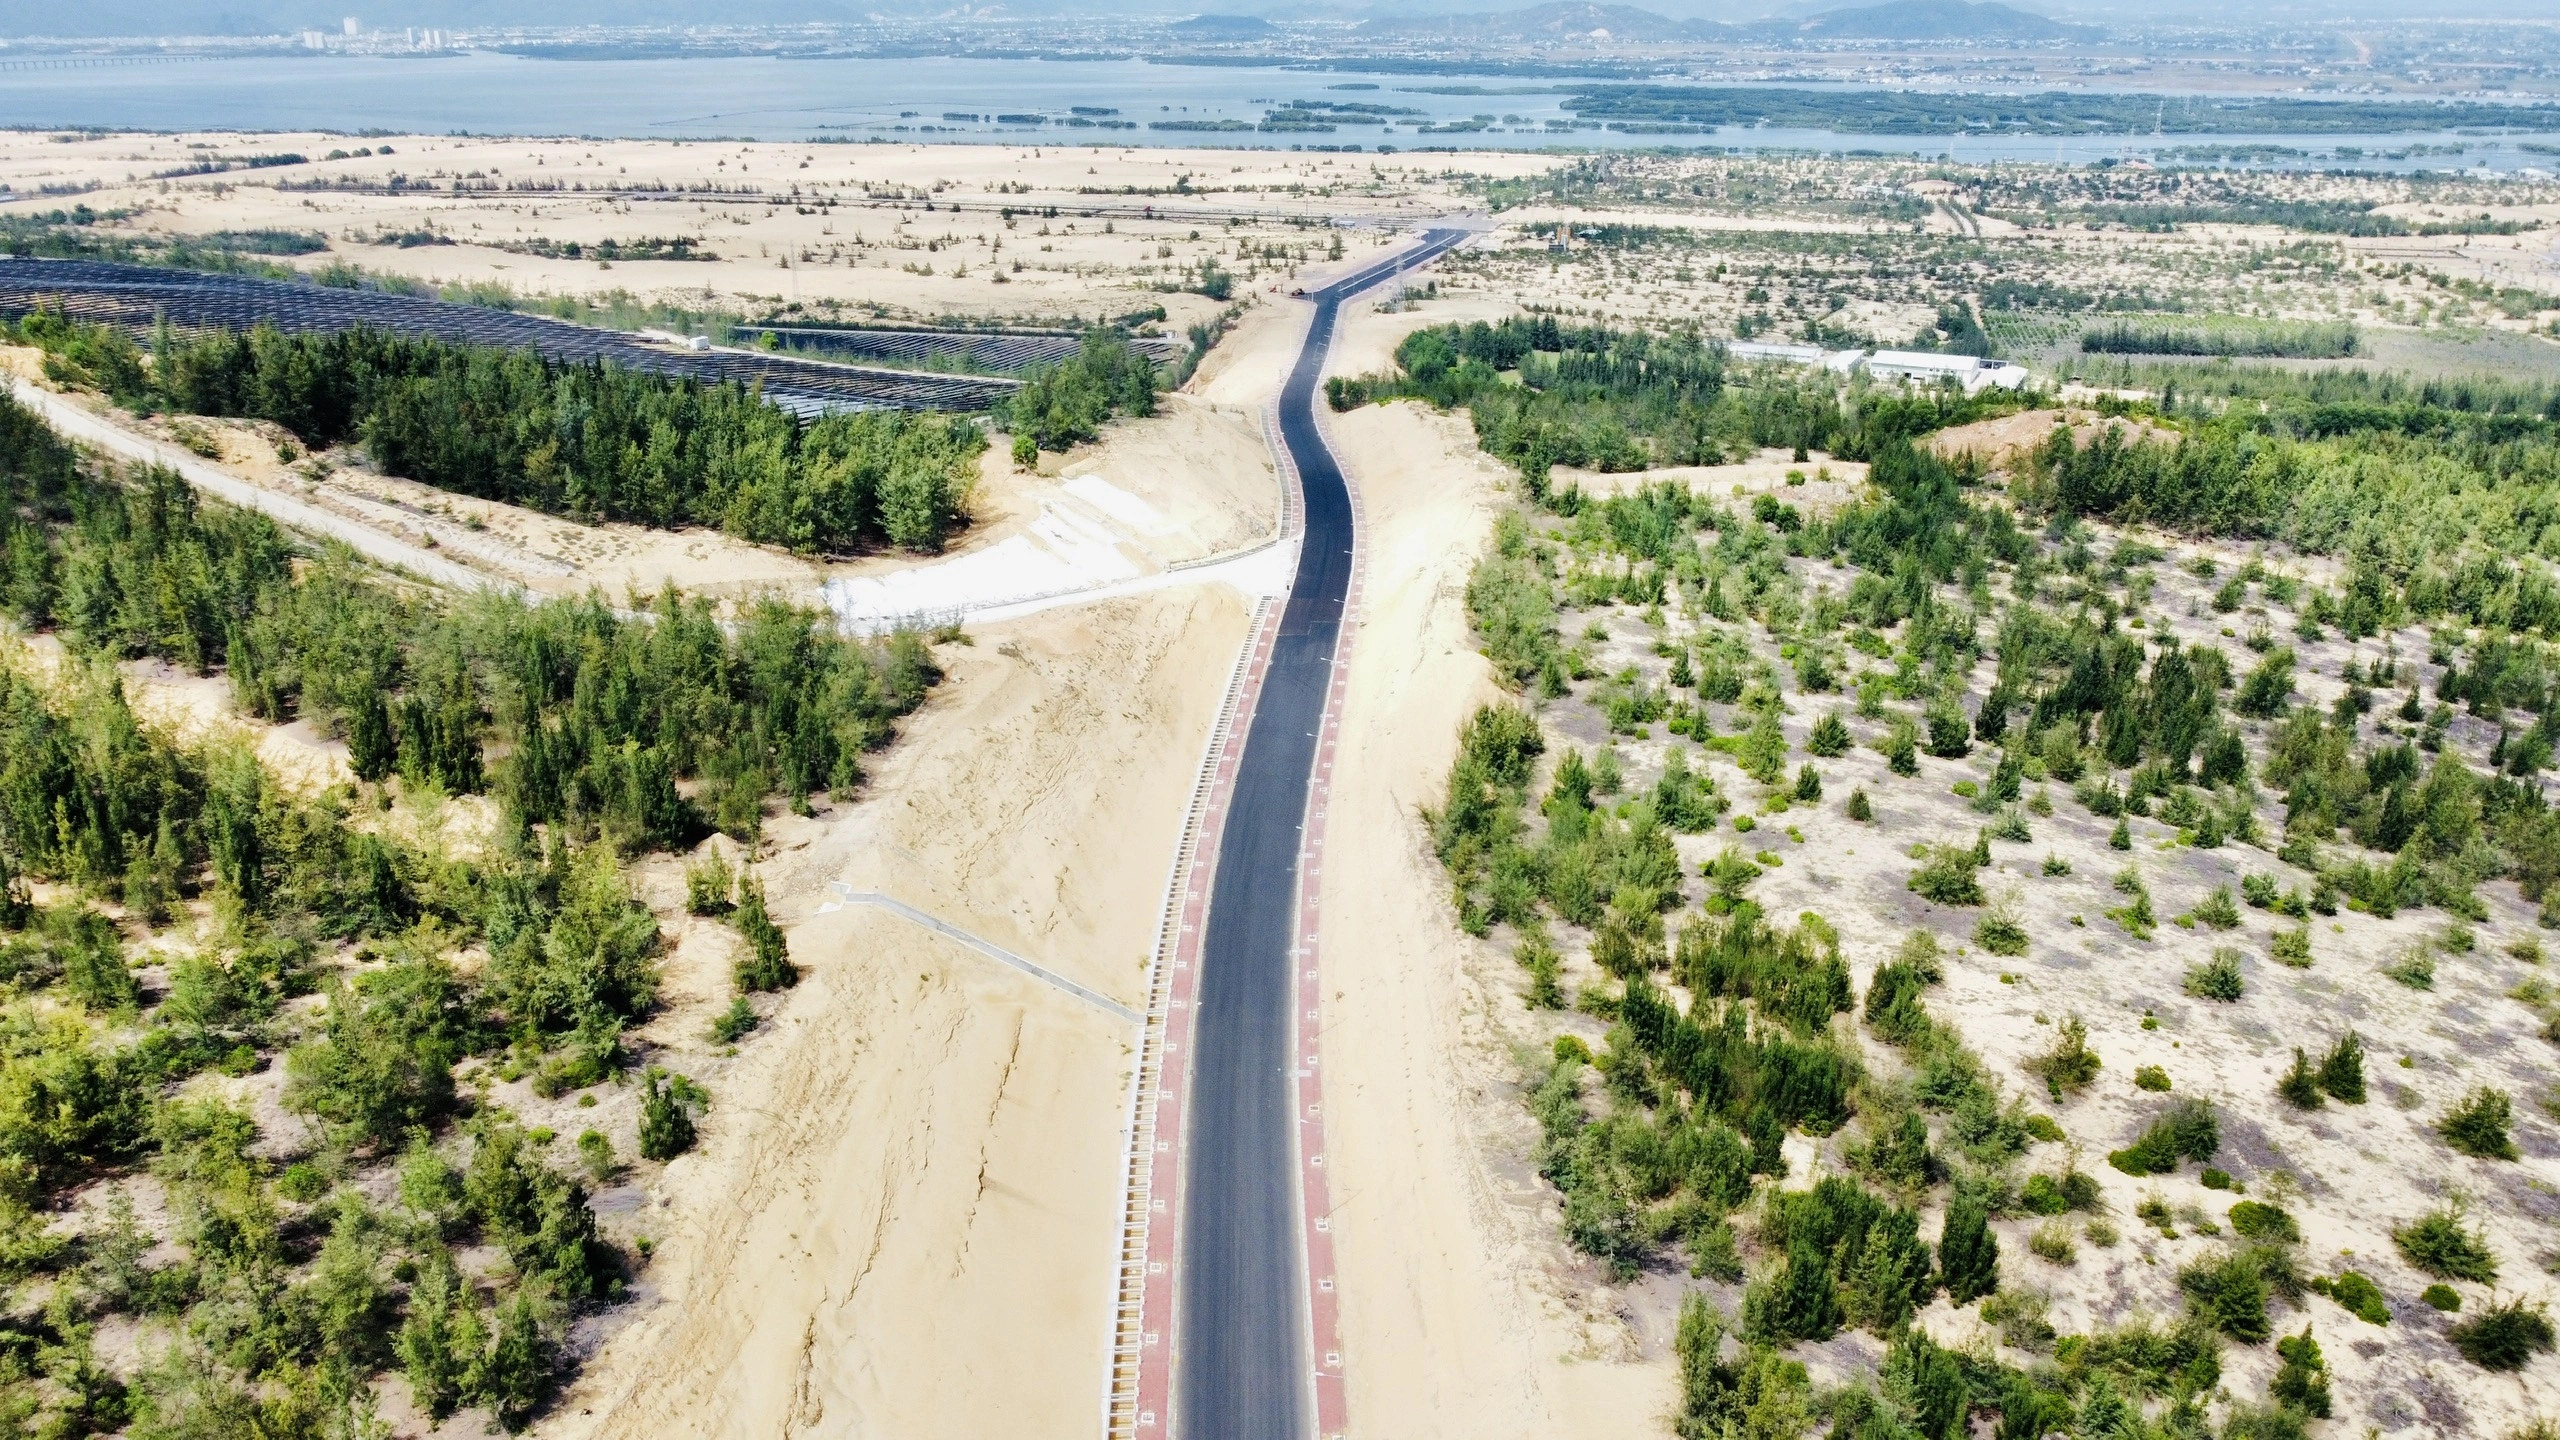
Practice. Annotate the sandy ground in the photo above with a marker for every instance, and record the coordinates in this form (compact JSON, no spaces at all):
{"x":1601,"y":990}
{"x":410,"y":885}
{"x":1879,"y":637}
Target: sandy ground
{"x":197,"y":710}
{"x":902,"y":1219}
{"x":1998,"y":442}
{"x":1461,"y":1313}
{"x":847,"y":231}
{"x":1190,"y":483}
{"x":1817,"y":482}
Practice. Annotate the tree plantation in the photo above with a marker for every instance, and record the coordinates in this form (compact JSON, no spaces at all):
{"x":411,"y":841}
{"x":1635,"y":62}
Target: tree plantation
{"x":2312,"y":711}
{"x":175,"y":924}
{"x":589,"y":441}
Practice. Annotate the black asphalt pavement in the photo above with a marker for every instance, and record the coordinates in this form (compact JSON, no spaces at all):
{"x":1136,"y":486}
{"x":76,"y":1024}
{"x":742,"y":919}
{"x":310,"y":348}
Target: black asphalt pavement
{"x":1243,"y":1370}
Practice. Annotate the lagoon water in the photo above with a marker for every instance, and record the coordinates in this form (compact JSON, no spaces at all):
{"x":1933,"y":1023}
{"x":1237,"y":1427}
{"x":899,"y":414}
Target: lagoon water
{"x":907,"y":99}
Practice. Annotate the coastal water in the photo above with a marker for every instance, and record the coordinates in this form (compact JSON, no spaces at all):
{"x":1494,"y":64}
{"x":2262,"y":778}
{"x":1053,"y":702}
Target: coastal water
{"x":960,"y":100}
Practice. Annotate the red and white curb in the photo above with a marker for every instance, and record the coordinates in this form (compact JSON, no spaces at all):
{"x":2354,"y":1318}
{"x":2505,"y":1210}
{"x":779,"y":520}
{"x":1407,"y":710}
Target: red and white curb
{"x":1315,"y":1192}
{"x":1138,"y":1393}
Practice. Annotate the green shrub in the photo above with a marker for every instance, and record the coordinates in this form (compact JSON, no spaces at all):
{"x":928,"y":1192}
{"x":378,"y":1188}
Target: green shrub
{"x":2357,"y":1292}
{"x":1860,"y":808}
{"x":708,"y":884}
{"x":2055,"y":866}
{"x":2058,"y":1194}
{"x":2503,"y":1337}
{"x":1948,"y":876}
{"x":1715,"y":1255}
{"x":2218,"y":978}
{"x":2150,"y":1077}
{"x":2442,"y":1297}
{"x":2216,"y":1178}
{"x":383,"y":1060}
{"x":2052,"y":1241}
{"x":2255,"y":1220}
{"x":1062,"y":404}
{"x":1901,"y":750}
{"x":1830,"y":737}
{"x":1893,"y":1008}
{"x":2217,"y":910}
{"x":2440,"y":1244}
{"x":2121,"y":837}
{"x":2189,"y":1129}
{"x":732,"y":1024}
{"x":2002,"y":929}
{"x":2292,"y":947}
{"x":2229,"y":1289}
{"x":1808,"y":783}
{"x":2415,"y":967}
{"x":2478,"y":1125}
{"x":2069,"y":1065}
{"x":302,"y":1182}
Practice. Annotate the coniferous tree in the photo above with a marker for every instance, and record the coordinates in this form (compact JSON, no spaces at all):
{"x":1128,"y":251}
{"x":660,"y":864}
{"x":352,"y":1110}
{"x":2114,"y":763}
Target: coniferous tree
{"x":666,"y":1127}
{"x":767,"y":963}
{"x":1968,"y":1253}
{"x":2342,"y":1069}
{"x":371,"y":752}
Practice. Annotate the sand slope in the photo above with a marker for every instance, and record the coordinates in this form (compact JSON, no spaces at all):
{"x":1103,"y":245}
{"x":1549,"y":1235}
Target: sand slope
{"x":1453,"y":1314}
{"x":901,"y":1220}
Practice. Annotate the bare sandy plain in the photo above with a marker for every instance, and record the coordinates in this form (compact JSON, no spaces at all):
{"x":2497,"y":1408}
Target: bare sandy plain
{"x":890,"y":231}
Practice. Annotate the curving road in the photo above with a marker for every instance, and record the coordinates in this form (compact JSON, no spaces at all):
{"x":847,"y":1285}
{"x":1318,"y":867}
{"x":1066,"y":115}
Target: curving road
{"x":1242,"y":1367}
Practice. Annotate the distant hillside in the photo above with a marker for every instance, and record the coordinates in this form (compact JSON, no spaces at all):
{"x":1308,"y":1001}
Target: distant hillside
{"x":1931,"y":20}
{"x":1224,"y":27}
{"x":1539,"y":22}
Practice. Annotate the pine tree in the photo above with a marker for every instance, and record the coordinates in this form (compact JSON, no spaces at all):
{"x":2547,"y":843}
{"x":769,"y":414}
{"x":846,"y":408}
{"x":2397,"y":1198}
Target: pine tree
{"x":1861,"y":808}
{"x":428,"y":1352}
{"x":1968,"y":1253}
{"x":1808,"y":783}
{"x":2300,"y":1086}
{"x":2342,"y":1069}
{"x":371,"y":753}
{"x":2302,"y":1382}
{"x":518,"y":1371}
{"x":15,"y":910}
{"x":1799,"y":1302}
{"x":1830,"y":737}
{"x":767,"y":963}
{"x":666,"y":1127}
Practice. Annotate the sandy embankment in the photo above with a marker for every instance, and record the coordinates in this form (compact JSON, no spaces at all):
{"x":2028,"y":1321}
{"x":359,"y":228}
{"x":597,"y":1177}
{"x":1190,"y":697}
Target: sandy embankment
{"x":1459,"y":1317}
{"x":1999,"y":442}
{"x":902,"y":1218}
{"x":1821,"y":484}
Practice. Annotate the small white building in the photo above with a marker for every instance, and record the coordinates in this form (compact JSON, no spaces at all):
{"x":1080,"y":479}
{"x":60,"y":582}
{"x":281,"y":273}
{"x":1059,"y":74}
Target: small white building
{"x":1970,"y":371}
{"x":1782,"y":353}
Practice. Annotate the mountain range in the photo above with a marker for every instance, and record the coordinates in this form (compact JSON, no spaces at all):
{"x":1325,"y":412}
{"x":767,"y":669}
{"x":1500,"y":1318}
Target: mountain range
{"x":1898,"y":20}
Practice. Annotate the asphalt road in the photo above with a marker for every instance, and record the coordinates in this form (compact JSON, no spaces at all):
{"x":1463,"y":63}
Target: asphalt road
{"x":1243,"y":1368}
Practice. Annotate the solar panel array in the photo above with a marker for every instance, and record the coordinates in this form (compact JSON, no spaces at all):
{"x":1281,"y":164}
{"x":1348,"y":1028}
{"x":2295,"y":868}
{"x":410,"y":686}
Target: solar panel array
{"x":135,"y":297}
{"x":983,"y":349}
